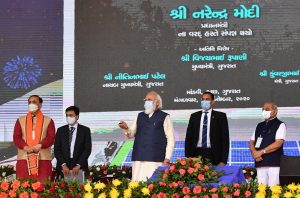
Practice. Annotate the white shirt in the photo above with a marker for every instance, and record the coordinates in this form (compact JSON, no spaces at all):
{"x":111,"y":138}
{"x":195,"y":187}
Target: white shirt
{"x":208,"y":128}
{"x":73,"y":139}
{"x":280,"y":133}
{"x":169,"y":132}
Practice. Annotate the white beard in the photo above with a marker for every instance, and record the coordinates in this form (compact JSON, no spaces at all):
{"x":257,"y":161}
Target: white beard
{"x":149,"y":111}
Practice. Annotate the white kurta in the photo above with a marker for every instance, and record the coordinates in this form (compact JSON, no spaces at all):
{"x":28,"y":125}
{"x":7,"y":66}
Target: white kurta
{"x":270,"y":175}
{"x":141,"y":170}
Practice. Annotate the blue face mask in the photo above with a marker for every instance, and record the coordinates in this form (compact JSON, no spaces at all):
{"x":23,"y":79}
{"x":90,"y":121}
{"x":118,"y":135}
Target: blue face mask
{"x":149,"y":107}
{"x":205,"y":104}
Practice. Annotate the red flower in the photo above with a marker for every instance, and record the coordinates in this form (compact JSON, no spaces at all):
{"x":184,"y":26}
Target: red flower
{"x":82,"y":187}
{"x":12,"y":193}
{"x":180,"y":183}
{"x":167,"y":170}
{"x":204,"y":189}
{"x":174,"y":184}
{"x":162,"y":183}
{"x":191,"y":170}
{"x":71,"y":188}
{"x":201,"y":177}
{"x":247,"y":176}
{"x":173,"y":168}
{"x":4,"y":186}
{"x":213,"y":174}
{"x":161,"y":195}
{"x":24,"y":195}
{"x":228,"y":196}
{"x":175,"y":195}
{"x":205,"y":196}
{"x":3,"y":195}
{"x":213,"y":190}
{"x":183,"y":162}
{"x":63,"y":185}
{"x":214,"y":196}
{"x":247,"y":193}
{"x":36,"y":185}
{"x":69,"y":195}
{"x":187,"y":196}
{"x":186,"y":190}
{"x":206,"y":167}
{"x":53,"y":184}
{"x":77,"y":196}
{"x":118,"y":168}
{"x":41,"y":188}
{"x":236,"y":193}
{"x":182,"y":172}
{"x":103,"y":167}
{"x":236,"y":185}
{"x":197,"y":189}
{"x":52,"y":190}
{"x":150,"y":187}
{"x":197,"y":165}
{"x":34,"y":195}
{"x":16,"y":184}
{"x":225,"y":189}
{"x":165,"y":176}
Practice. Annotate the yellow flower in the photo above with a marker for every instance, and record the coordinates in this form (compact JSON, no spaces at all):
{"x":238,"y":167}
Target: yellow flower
{"x":88,"y":195}
{"x":88,"y":187}
{"x":102,"y":195}
{"x":99,"y":186}
{"x":297,"y":196}
{"x":127,"y":193}
{"x":275,"y":196}
{"x":133,"y":185}
{"x":114,"y":193}
{"x":292,"y":187}
{"x":116,"y":182}
{"x":260,"y":195}
{"x":288,"y":194}
{"x":145,"y":191}
{"x":276,"y":189}
{"x":262,"y":188}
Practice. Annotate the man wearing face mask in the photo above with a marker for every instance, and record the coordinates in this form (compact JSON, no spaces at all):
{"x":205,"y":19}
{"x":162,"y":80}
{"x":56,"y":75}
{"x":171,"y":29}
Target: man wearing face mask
{"x":154,"y":138}
{"x":34,"y":135}
{"x":207,"y":133}
{"x":266,"y":145}
{"x":73,"y":145}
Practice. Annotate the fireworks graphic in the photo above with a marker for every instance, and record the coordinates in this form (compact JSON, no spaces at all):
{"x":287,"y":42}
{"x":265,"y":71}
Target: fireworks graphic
{"x":21,"y":72}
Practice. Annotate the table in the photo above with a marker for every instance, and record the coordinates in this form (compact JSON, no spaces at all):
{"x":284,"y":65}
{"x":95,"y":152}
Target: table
{"x":232,"y":174}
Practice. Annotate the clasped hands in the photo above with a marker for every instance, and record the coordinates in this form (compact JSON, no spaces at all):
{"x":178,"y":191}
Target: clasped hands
{"x":67,"y":171}
{"x":257,"y":155}
{"x":33,"y":149}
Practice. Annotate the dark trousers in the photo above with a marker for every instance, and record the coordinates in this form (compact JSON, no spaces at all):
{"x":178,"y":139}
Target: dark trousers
{"x":205,"y":153}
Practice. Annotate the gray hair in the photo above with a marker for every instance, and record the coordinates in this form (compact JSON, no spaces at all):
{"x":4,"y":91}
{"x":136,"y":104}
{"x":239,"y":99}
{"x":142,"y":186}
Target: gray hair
{"x":158,"y":97}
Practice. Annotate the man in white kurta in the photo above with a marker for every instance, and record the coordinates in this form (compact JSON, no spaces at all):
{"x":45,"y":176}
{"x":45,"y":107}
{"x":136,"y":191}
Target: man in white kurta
{"x":143,"y":169}
{"x":266,"y":145}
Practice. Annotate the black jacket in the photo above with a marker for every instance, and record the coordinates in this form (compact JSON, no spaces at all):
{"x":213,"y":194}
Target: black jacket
{"x":82,"y":148}
{"x":219,"y":136}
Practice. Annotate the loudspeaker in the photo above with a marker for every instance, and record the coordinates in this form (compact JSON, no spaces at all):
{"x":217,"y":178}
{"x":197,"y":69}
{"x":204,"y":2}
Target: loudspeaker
{"x":289,"y":170}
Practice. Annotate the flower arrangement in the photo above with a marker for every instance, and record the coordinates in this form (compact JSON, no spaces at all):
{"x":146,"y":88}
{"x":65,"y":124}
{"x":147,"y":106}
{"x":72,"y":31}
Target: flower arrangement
{"x":102,"y":171}
{"x":190,"y":171}
{"x":249,"y":172}
{"x":6,"y":171}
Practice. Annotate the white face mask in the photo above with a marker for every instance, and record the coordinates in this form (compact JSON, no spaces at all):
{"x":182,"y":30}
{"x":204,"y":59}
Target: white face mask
{"x":71,"y":120}
{"x":266,"y":114}
{"x":149,"y":107}
{"x":32,"y":107}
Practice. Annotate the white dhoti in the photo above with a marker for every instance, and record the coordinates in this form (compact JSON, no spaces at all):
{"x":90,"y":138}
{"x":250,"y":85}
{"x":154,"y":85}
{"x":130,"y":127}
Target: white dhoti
{"x":268,"y":175}
{"x":143,"y":170}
